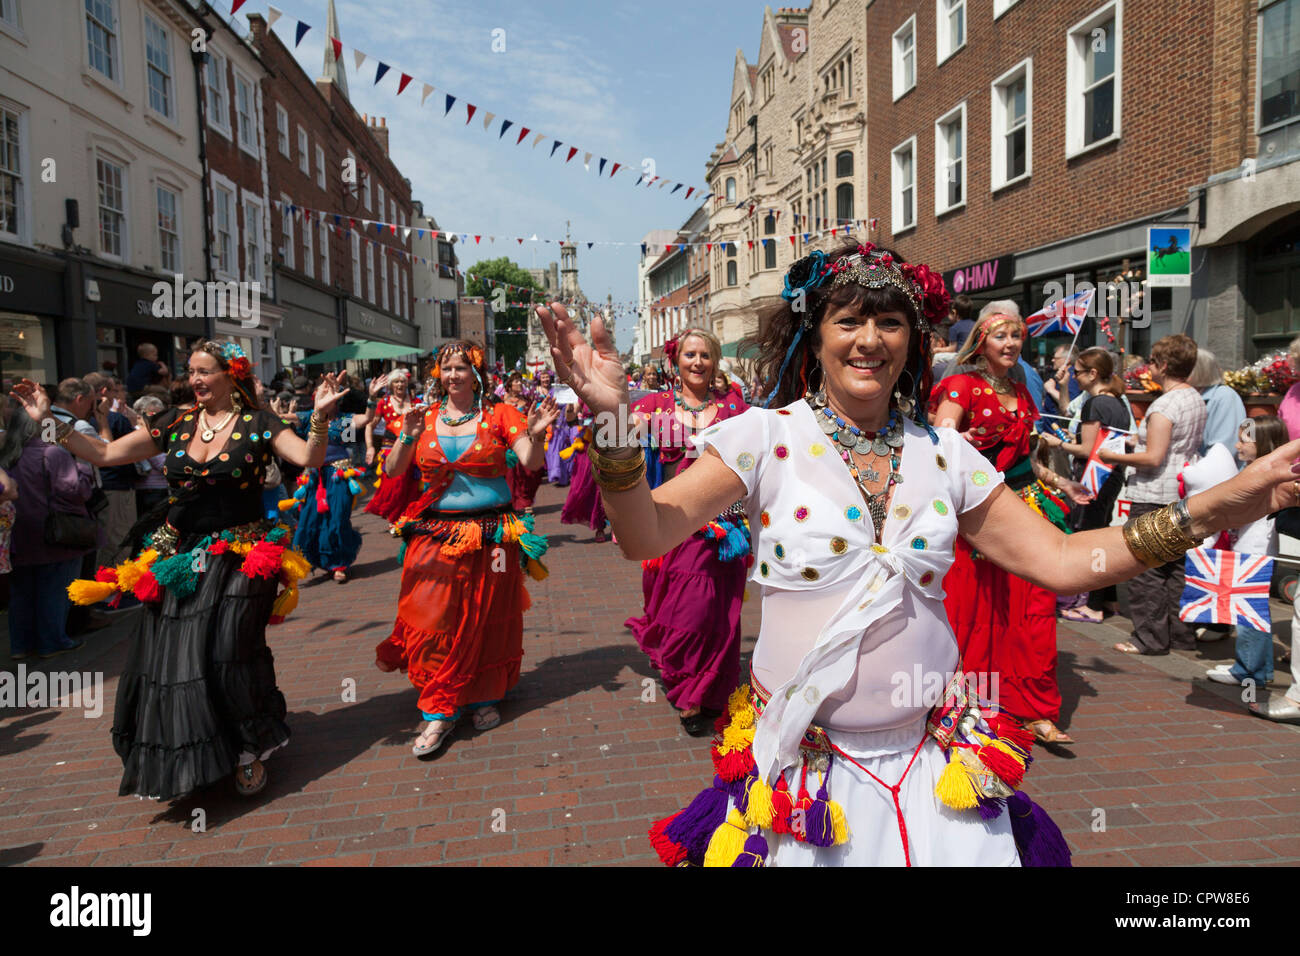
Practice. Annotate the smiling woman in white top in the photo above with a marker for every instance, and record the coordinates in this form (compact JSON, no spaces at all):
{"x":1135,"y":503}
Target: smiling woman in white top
{"x":857,"y":741}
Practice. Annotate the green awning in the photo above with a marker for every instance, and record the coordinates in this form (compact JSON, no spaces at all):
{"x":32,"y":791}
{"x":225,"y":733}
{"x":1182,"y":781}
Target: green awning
{"x":741,"y":350}
{"x":360,"y":350}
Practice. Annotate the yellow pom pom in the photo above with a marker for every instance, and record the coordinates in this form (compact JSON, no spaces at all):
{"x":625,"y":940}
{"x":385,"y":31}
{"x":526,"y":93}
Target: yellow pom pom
{"x":839,"y":823}
{"x":736,"y":738}
{"x":241,"y":547}
{"x":728,"y":841}
{"x":286,"y":603}
{"x":537,"y":571}
{"x":759,"y":812}
{"x":284,"y":504}
{"x":738,"y":701}
{"x":147,"y":558}
{"x":955,"y":788}
{"x":128,"y":572}
{"x":90,"y":592}
{"x":294,"y":565}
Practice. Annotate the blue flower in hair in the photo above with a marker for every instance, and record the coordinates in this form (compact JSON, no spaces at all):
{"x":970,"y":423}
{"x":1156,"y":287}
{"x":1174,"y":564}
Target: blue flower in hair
{"x":231,"y":351}
{"x":805,"y":275}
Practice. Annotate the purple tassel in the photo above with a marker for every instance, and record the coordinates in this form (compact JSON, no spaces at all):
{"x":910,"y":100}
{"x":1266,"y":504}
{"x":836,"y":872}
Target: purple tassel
{"x":755,"y":852}
{"x":817,"y":820}
{"x":990,"y":808}
{"x":739,"y":791}
{"x":1038,"y":839}
{"x":694,"y":827}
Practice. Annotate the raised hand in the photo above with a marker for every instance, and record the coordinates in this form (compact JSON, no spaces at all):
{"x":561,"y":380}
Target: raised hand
{"x":327,"y":395}
{"x":592,"y":369}
{"x":378,"y":384}
{"x":33,"y":398}
{"x":542,"y":416}
{"x":413,"y":420}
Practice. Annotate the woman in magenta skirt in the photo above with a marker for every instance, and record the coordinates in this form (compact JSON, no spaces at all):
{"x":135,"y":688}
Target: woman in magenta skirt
{"x":690,"y":629}
{"x":582,"y":505}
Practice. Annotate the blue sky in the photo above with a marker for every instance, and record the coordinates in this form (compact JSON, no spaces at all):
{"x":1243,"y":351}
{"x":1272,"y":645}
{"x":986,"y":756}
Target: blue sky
{"x":625,"y":80}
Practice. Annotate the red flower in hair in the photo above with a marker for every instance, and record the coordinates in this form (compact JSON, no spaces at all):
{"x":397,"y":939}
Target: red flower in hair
{"x":240,"y":368}
{"x":934,"y":296}
{"x":670,"y":350}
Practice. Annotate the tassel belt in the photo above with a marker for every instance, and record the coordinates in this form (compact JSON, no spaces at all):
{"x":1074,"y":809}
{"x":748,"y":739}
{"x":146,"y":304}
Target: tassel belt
{"x":165,"y":539}
{"x":445,"y":524}
{"x":724,"y":825}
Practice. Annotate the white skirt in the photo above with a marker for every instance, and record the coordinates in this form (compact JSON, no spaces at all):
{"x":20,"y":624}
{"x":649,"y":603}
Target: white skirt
{"x":936,"y":834}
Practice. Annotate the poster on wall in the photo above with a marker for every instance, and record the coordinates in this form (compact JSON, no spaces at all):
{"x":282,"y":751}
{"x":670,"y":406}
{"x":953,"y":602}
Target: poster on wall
{"x":1169,"y":256}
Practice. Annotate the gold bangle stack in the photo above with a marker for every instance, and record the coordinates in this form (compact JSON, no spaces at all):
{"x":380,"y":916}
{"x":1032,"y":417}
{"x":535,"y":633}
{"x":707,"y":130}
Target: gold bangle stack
{"x":616,"y":474}
{"x":320,"y":427}
{"x":1155,"y":538}
{"x":62,"y":432}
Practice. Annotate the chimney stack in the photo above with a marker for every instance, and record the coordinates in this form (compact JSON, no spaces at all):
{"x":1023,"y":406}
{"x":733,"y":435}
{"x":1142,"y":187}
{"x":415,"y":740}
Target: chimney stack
{"x":379,"y":127}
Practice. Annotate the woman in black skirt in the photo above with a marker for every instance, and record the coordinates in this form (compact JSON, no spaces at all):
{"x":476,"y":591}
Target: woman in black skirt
{"x":198,"y":699}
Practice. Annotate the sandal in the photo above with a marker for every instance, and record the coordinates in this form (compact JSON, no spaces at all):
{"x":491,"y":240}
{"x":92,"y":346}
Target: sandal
{"x":600,"y":537}
{"x":1046,"y":732}
{"x":340,"y":576}
{"x":427,"y":745}
{"x":700,"y":723}
{"x":485,"y":718}
{"x":250,"y":778}
{"x":1281,"y":709}
{"x":1126,"y":647}
{"x":1080,"y":616}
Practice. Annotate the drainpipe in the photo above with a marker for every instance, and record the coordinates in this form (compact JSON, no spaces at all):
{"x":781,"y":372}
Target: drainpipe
{"x":200,"y":61}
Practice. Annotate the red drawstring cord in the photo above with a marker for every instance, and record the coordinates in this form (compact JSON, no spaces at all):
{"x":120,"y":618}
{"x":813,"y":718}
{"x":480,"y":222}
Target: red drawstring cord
{"x":893,"y":792}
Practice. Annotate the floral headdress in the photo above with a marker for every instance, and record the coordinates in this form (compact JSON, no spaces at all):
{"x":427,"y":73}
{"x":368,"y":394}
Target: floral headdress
{"x":232,"y":358}
{"x":870,"y":268}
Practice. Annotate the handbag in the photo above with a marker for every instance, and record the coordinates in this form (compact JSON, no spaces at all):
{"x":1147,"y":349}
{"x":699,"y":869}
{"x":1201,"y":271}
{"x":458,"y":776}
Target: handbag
{"x":66,"y":530}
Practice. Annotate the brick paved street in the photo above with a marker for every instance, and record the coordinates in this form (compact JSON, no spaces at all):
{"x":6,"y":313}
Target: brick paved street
{"x":581,"y":764}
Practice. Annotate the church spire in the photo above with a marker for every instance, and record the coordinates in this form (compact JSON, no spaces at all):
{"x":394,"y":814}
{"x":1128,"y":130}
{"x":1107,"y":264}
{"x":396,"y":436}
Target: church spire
{"x":334,"y":70}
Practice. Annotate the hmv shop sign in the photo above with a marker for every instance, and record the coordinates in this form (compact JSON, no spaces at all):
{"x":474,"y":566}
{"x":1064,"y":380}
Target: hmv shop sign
{"x":989,"y":274}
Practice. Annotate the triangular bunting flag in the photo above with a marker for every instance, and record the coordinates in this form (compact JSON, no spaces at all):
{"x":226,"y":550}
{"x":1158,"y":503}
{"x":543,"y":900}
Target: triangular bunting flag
{"x":300,"y":32}
{"x":586,"y":160}
{"x":402,"y":84}
{"x":272,"y":14}
{"x":338,"y":47}
{"x":235,"y":5}
{"x":590,"y":244}
{"x":357,"y":58}
{"x":450,"y":100}
{"x":424,"y":94}
{"x":708,"y":246}
{"x":538,"y":138}
{"x":572,"y":150}
{"x":600,"y":170}
{"x":406,"y":234}
{"x":520,"y":241}
{"x":792,"y":240}
{"x":469,"y":112}
{"x":522,"y":133}
{"x":751,"y":243}
{"x":488,"y":118}
{"x":638,"y":179}
{"x":677,"y":187}
{"x":380,"y":71}
{"x":477,"y":239}
{"x":689,"y":191}
{"x":614,"y":170}
{"x":505,"y":125}
{"x":554,"y":146}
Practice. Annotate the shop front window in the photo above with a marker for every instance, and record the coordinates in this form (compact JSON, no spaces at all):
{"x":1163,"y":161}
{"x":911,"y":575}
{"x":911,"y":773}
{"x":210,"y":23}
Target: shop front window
{"x":26,"y":349}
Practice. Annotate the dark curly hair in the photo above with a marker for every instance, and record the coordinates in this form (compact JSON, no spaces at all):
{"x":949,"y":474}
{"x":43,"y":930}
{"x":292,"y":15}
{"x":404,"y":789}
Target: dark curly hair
{"x":779,"y":325}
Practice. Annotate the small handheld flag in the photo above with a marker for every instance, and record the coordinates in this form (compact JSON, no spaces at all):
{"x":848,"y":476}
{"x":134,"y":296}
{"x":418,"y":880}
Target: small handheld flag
{"x":1224,"y":587}
{"x":1064,"y":315}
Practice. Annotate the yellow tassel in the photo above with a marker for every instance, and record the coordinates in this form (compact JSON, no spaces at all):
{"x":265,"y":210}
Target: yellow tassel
{"x":839,"y":823}
{"x":728,"y":841}
{"x":537,"y":571}
{"x":241,"y":547}
{"x":284,"y":504}
{"x":759,"y":812}
{"x":128,"y":572}
{"x":294,"y":565}
{"x":146,"y":559}
{"x":467,"y":537}
{"x":736,"y":738}
{"x":955,"y":788}
{"x":1010,"y":751}
{"x":284,"y":604}
{"x":738,"y":702}
{"x":90,"y":592}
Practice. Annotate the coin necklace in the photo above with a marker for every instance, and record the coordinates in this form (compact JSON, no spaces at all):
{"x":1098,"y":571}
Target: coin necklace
{"x":209,"y":430}
{"x":887,"y":442}
{"x":1000,"y":385}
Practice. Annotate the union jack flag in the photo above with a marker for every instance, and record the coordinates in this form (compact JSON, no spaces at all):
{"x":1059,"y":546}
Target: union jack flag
{"x":1224,"y":587}
{"x":1096,"y":471}
{"x":1063,"y":315}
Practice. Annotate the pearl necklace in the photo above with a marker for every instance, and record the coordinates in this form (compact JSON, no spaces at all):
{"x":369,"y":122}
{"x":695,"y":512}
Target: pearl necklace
{"x":209,"y":430}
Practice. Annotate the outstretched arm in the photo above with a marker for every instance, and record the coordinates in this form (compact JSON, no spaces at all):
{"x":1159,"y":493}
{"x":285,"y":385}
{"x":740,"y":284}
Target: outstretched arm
{"x":121,"y":451}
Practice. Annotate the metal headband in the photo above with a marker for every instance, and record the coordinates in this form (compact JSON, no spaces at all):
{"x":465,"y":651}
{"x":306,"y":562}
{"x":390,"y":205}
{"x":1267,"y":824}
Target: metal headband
{"x":871,"y":272}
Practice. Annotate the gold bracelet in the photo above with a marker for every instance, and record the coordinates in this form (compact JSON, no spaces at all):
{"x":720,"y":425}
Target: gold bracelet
{"x":62,"y":432}
{"x":1134,"y":544}
{"x":619,"y":483}
{"x":614,"y":467}
{"x":1155,"y":537}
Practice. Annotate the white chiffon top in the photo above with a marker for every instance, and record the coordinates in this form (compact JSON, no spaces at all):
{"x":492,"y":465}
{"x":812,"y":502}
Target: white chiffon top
{"x":853,"y":633}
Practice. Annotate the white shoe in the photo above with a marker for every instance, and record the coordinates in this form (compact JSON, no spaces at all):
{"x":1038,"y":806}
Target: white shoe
{"x":1222,"y":675}
{"x":1205,"y":635}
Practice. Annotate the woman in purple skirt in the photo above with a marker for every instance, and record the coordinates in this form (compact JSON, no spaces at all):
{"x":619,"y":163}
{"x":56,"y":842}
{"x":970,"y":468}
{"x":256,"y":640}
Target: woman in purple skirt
{"x":583,"y":504}
{"x":559,"y":470}
{"x":691,"y":626}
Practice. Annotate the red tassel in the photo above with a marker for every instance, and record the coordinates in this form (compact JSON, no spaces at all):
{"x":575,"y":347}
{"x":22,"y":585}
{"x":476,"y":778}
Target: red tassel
{"x":804,"y":803}
{"x":220,"y":546}
{"x":1004,"y":766}
{"x":731,"y":767}
{"x":147,"y":588}
{"x":782,"y":806}
{"x":322,"y":505}
{"x":1011,"y":730}
{"x":262,"y":560}
{"x":106,"y":575}
{"x":669,"y":852}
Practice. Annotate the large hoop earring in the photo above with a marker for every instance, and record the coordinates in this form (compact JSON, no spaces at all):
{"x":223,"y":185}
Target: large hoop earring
{"x":902,"y":399}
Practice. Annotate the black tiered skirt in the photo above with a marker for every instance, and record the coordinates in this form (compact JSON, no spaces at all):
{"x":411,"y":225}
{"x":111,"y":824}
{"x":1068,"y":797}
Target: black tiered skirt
{"x":199,"y":686}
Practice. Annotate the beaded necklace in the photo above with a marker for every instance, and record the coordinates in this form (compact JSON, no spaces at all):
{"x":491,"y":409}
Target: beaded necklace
{"x":887,"y":442}
{"x":453,"y":422}
{"x":682,"y":403}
